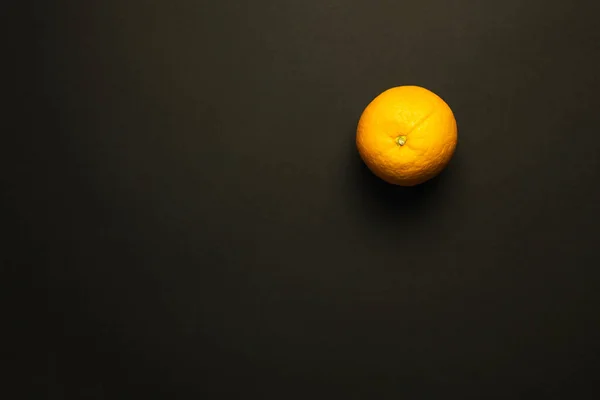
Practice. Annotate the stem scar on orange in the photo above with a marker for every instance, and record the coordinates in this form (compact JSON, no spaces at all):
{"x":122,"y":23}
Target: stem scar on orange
{"x":406,"y":135}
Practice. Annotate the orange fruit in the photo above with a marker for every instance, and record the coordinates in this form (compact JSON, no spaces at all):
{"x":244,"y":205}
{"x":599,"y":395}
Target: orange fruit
{"x":406,"y":135}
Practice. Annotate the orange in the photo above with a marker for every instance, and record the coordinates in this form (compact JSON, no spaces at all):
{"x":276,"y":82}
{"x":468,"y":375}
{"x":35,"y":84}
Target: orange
{"x":406,"y":135}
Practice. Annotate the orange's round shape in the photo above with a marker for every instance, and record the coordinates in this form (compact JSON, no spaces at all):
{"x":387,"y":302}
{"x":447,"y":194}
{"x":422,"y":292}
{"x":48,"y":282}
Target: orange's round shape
{"x":406,"y":135}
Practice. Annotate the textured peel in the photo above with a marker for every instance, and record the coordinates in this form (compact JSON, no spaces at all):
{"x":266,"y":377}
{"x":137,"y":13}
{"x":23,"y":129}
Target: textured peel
{"x":424,"y":120}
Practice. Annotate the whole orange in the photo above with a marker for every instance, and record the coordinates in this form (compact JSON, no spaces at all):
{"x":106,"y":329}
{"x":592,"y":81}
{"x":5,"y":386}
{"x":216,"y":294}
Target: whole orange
{"x":406,"y":135}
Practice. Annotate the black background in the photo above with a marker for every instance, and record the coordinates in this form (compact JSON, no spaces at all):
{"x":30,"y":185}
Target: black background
{"x":189,"y":217}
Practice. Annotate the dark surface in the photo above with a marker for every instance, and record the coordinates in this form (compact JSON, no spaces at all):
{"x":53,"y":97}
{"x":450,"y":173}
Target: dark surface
{"x":190,"y":219}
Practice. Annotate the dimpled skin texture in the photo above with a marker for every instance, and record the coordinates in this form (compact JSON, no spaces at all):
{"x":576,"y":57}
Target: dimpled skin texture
{"x":428,"y":125}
